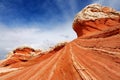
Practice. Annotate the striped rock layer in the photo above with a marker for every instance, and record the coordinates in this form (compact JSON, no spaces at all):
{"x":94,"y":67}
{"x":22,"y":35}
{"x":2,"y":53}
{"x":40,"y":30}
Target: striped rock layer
{"x":93,"y":55}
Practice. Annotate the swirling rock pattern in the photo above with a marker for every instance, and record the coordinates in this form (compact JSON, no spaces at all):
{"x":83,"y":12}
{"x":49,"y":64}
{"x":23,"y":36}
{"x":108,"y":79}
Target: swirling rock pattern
{"x":94,"y":55}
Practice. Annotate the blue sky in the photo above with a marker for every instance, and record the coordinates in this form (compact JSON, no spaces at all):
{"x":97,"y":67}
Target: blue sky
{"x":39,"y":11}
{"x":39,"y":23}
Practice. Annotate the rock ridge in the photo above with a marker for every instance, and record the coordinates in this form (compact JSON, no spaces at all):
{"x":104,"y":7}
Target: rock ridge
{"x":93,"y":55}
{"x":95,"y":19}
{"x":96,"y":11}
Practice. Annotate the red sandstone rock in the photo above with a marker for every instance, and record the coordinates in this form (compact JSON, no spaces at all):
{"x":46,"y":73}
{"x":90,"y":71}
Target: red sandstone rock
{"x":19,"y":55}
{"x":94,"y":55}
{"x":95,"y":18}
{"x":23,"y":50}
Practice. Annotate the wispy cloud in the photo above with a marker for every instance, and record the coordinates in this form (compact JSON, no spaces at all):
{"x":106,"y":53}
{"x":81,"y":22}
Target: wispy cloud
{"x":35,"y":37}
{"x":50,"y":24}
{"x":112,"y":3}
{"x":62,"y":9}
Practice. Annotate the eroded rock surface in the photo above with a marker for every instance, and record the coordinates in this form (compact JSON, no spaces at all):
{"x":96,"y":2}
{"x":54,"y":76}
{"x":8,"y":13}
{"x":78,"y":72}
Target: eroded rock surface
{"x":20,"y":55}
{"x":96,"y":19}
{"x":94,"y":55}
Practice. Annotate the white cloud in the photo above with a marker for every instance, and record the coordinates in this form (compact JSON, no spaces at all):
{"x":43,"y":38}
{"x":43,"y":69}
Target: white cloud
{"x":66,"y":8}
{"x":34,"y":34}
{"x":112,"y":3}
{"x":35,"y":37}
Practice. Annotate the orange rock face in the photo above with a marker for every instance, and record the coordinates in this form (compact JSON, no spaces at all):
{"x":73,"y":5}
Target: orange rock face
{"x":94,"y":55}
{"x":24,"y":50}
{"x":95,"y":19}
{"x":18,"y":56}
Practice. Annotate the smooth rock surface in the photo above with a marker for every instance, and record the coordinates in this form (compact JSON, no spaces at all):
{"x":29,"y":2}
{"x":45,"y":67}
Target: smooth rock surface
{"x":94,"y":55}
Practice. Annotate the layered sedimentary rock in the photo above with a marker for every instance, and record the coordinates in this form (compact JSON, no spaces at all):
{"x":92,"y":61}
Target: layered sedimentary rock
{"x":95,"y":19}
{"x":20,"y":55}
{"x":94,"y":55}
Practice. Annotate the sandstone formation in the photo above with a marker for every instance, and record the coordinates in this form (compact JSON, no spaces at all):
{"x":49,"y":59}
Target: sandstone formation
{"x":19,"y":55}
{"x":94,"y":55}
{"x":95,"y":19}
